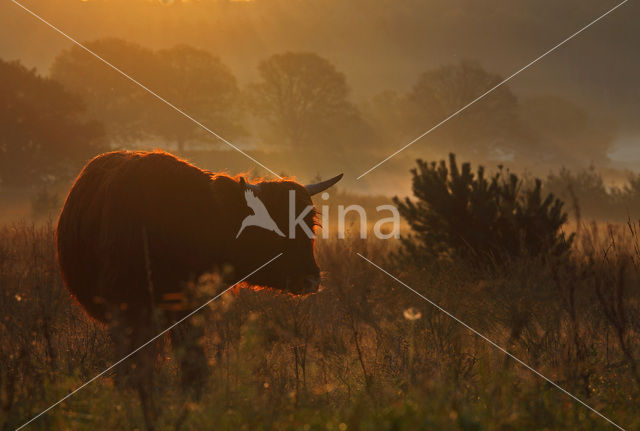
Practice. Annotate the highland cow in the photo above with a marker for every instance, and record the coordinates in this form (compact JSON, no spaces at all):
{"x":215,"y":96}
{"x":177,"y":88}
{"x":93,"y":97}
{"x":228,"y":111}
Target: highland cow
{"x":136,"y":227}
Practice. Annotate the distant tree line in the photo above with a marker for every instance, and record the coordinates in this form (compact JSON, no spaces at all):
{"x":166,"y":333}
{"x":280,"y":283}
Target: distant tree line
{"x":43,"y":127}
{"x":191,"y":79}
{"x":300,"y":103}
{"x":499,"y":126}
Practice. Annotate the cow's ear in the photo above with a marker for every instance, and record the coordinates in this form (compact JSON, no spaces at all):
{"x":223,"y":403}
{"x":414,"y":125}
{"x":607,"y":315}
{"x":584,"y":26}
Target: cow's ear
{"x":255,"y":188}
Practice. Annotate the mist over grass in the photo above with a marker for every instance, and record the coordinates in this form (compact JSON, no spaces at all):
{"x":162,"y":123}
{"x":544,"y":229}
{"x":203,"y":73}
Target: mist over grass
{"x":364,"y":352}
{"x":312,"y":89}
{"x":410,"y":67}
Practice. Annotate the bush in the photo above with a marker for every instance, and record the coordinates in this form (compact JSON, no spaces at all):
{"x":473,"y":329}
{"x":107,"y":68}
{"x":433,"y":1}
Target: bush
{"x":459,"y":214}
{"x":363,"y":352}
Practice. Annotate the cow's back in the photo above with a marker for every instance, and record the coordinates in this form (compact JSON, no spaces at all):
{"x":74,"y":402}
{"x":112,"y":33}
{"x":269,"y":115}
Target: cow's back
{"x":136,"y":224}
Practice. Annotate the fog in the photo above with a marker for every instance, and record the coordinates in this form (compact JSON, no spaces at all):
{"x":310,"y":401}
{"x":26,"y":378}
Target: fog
{"x":382,"y":49}
{"x":474,"y":213}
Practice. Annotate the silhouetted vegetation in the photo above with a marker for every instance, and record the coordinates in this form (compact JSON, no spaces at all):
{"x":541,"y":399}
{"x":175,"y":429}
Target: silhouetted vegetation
{"x":191,"y":79}
{"x":464,"y":215}
{"x":385,"y":359}
{"x":301,"y":103}
{"x":298,"y":112}
{"x":559,"y":130}
{"x":43,"y":134}
{"x":590,"y":197}
{"x":488,"y":127}
{"x":300,"y":95}
{"x":318,"y":87}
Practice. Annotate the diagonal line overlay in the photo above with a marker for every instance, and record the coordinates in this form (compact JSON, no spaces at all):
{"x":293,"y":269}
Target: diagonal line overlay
{"x":147,"y":343}
{"x":144,"y":87}
{"x":517,"y":72}
{"x":536,"y":372}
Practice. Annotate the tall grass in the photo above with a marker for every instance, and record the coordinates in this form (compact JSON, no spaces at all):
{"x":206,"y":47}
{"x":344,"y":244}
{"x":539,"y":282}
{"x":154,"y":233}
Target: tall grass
{"x":364,"y":353}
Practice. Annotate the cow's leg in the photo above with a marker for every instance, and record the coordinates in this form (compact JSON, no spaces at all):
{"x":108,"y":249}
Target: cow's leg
{"x":186,"y":340}
{"x":130,"y":333}
{"x":144,"y":362}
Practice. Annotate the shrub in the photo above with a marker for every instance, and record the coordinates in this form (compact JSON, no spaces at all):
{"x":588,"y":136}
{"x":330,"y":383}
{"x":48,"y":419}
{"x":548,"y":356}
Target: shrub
{"x":459,"y":214}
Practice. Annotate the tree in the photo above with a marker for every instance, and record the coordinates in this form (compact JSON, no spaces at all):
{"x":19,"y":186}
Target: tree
{"x":199,"y":84}
{"x":110,"y":97}
{"x":191,"y":79}
{"x":302,"y":97}
{"x":43,"y":134}
{"x":485,"y":129}
{"x":478,"y":219}
{"x":561,"y":130}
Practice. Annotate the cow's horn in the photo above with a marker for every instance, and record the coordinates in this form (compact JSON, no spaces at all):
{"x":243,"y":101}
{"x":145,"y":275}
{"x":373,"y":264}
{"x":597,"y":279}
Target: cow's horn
{"x":314,"y":189}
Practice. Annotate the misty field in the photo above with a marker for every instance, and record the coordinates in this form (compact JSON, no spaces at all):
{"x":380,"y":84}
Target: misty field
{"x":364,"y":353}
{"x":506,"y":301}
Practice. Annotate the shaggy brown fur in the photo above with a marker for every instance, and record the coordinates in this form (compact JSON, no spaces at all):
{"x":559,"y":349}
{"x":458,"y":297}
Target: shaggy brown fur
{"x":137,"y":225}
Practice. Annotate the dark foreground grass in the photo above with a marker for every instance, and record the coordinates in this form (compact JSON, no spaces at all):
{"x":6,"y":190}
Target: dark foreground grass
{"x":363,"y":354}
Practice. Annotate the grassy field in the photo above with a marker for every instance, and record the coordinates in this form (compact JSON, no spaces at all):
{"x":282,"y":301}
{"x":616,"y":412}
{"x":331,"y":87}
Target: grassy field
{"x":365,"y":353}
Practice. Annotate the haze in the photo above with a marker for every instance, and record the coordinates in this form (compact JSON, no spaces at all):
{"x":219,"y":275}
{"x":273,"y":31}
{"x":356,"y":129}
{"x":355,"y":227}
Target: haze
{"x":382,"y":48}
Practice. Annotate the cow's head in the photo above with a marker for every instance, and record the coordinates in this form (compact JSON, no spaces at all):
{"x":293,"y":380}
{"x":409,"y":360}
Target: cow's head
{"x":267,"y":233}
